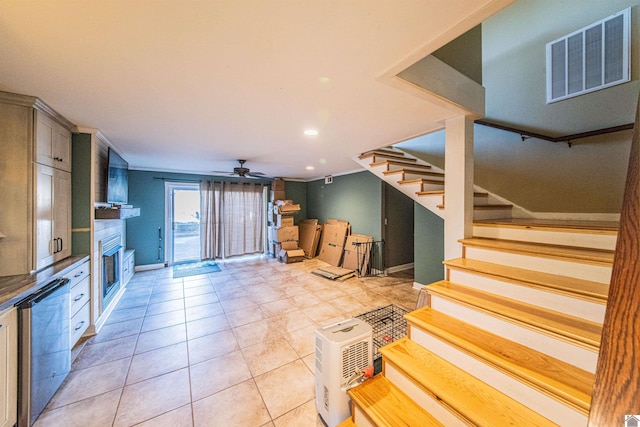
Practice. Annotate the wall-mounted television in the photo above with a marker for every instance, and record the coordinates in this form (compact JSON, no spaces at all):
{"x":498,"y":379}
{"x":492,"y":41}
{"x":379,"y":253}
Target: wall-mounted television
{"x":117,"y":179}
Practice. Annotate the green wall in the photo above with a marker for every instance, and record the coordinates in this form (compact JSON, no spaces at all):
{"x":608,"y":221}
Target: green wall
{"x":147,"y":193}
{"x":297,"y":192}
{"x":356,"y":198}
{"x":81,"y":194}
{"x":428,"y":246}
{"x":399,"y":228}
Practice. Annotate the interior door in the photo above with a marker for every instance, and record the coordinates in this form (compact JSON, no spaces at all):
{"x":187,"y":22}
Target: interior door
{"x":397,"y":227}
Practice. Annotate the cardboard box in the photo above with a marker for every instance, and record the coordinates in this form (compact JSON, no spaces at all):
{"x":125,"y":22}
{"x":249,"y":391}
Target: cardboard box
{"x":283,"y":221}
{"x":334,"y":235}
{"x":283,"y":234}
{"x":293,"y":255}
{"x":277,"y":184}
{"x":277,"y":195}
{"x":351,"y":260}
{"x":309,"y":232}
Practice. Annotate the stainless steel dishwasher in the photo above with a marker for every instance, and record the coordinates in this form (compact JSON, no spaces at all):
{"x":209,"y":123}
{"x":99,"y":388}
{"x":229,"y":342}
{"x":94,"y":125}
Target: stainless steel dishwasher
{"x":43,"y":349}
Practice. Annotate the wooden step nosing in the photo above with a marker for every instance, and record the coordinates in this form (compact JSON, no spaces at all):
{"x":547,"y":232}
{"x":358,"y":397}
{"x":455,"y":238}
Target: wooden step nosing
{"x":522,"y":279}
{"x":550,"y":227}
{"x":545,"y":329}
{"x":543,"y":324}
{"x":544,"y":383}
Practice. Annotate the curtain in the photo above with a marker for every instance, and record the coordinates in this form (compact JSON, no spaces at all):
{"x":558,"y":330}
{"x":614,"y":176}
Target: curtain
{"x":232,"y":218}
{"x":243,"y":215}
{"x":210,"y":220}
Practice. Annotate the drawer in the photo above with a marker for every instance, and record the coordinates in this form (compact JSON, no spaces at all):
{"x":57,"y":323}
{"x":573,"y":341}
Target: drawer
{"x":77,"y":274}
{"x":79,"y":296}
{"x":79,"y":324}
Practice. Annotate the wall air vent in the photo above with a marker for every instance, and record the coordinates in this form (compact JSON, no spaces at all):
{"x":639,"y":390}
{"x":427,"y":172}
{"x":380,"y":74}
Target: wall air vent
{"x":595,"y":57}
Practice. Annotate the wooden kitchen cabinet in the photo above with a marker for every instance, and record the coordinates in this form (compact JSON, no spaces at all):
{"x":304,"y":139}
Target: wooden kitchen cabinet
{"x":53,"y":143}
{"x":36,"y":191}
{"x":8,"y":367}
{"x":79,"y":297}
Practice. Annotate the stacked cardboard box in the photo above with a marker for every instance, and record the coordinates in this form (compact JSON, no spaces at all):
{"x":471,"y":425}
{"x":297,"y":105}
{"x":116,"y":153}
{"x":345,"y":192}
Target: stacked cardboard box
{"x":310,"y":232}
{"x":334,"y":234}
{"x":283,"y":234}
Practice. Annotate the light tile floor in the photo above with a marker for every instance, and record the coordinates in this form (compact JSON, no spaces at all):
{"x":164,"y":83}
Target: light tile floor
{"x":233,"y":348}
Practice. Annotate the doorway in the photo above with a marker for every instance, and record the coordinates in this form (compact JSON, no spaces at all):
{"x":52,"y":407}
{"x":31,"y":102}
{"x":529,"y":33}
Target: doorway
{"x":182,"y":204}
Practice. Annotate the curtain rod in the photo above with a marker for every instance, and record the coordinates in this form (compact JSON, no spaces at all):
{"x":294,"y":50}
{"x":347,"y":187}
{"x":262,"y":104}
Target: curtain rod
{"x":198,"y":181}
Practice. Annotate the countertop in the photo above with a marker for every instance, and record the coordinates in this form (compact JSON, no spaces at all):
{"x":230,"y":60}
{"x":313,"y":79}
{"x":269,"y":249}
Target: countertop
{"x":15,"y":288}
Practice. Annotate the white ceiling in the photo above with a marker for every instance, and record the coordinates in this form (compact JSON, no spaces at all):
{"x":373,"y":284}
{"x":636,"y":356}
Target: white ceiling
{"x":191,"y":86}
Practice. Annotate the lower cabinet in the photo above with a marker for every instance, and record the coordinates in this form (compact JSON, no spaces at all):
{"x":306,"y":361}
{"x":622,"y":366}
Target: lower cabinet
{"x":128,"y":265}
{"x":79,"y":297}
{"x":8,"y":367}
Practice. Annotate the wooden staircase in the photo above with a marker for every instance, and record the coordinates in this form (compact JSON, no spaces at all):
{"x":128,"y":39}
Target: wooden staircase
{"x":424,"y":183}
{"x":510,"y":337}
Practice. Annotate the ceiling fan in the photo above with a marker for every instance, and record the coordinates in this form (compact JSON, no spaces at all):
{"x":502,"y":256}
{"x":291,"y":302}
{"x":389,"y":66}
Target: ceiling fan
{"x":243,"y":172}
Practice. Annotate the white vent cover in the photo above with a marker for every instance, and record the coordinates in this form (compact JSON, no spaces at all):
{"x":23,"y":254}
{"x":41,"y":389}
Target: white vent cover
{"x":592,"y":58}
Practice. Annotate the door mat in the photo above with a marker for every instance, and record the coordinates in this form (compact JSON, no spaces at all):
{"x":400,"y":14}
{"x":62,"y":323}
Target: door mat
{"x":194,"y":268}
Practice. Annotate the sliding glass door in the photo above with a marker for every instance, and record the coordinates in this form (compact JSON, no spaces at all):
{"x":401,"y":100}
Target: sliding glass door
{"x":182,"y":201}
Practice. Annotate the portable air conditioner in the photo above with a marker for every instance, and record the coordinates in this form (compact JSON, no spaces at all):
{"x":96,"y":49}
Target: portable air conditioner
{"x":341,"y":348}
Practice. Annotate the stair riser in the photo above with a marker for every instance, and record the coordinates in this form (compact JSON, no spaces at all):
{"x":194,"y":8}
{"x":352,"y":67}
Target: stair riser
{"x":360,"y":419}
{"x":553,"y":301}
{"x":564,"y":267}
{"x":431,"y":187}
{"x":400,"y":165}
{"x":540,"y":402}
{"x":483,"y":214}
{"x":426,"y":401}
{"x":573,"y":354}
{"x":584,"y":240}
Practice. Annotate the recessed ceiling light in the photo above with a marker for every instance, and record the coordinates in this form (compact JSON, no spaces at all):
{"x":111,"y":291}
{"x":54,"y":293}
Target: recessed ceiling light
{"x":310,"y":168}
{"x":325,"y":79}
{"x":311,"y":132}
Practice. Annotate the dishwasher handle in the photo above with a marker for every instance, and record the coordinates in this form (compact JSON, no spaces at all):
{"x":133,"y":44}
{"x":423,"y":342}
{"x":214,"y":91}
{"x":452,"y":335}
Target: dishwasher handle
{"x":42,"y":293}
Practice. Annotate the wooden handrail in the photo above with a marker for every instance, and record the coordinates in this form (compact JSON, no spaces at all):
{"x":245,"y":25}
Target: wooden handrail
{"x":616,"y":390}
{"x":565,"y":138}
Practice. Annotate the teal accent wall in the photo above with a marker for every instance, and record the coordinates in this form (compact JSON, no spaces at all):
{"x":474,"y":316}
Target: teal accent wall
{"x":147,"y":193}
{"x":297,"y":192}
{"x":428,"y":246}
{"x":356,"y":198}
{"x":81,"y":206}
{"x":399,"y":229}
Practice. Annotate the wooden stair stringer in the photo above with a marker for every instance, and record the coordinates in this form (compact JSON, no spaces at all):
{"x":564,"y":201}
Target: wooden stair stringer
{"x":470,"y":400}
{"x":565,"y":383}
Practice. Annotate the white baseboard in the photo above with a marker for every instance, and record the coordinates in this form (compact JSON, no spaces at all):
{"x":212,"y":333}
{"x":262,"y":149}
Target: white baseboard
{"x":401,"y":267}
{"x":148,"y":267}
{"x":418,"y":286}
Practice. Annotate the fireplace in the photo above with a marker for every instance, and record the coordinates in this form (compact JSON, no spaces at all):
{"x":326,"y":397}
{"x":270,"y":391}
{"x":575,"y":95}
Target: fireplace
{"x":111,"y":258}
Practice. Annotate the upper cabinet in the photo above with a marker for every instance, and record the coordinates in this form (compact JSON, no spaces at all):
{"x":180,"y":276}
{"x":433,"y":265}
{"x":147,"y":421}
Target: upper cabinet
{"x":35,"y":171}
{"x":53,"y":143}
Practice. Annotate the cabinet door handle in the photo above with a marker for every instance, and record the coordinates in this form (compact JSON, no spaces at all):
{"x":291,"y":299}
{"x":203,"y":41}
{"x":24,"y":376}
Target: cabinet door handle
{"x":79,"y":325}
{"x":78,"y":297}
{"x":79,"y":274}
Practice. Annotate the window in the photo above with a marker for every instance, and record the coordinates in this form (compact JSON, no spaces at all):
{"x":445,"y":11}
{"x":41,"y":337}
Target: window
{"x":592,"y":58}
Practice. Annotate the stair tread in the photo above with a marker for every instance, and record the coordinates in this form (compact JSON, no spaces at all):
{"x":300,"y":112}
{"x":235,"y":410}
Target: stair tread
{"x":579,"y":331}
{"x":405,"y":162}
{"x":478,"y":205}
{"x":554,"y":377}
{"x":413,"y":171}
{"x":602,"y":256}
{"x":382,"y":152}
{"x":441,"y":193}
{"x":347,"y":423}
{"x":420,"y":181}
{"x":596,"y":227}
{"x":594,"y":291}
{"x":462,"y":393}
{"x":387,"y":405}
